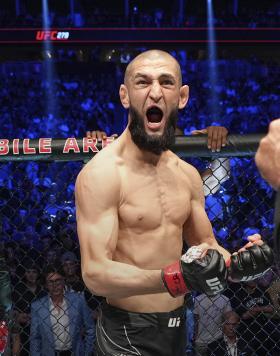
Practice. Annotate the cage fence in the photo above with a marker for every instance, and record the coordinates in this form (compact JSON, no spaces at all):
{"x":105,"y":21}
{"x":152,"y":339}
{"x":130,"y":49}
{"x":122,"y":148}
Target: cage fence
{"x":38,"y":231}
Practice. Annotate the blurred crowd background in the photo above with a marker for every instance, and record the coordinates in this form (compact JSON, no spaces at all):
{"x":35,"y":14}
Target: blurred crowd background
{"x":136,"y":13}
{"x":37,"y":213}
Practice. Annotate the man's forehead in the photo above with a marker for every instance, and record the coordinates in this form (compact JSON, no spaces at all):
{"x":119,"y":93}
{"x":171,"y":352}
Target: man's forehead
{"x":149,"y":66}
{"x":152,"y":62}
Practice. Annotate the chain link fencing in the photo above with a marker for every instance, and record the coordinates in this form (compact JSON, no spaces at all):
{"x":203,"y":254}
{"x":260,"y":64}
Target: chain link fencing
{"x":38,"y":231}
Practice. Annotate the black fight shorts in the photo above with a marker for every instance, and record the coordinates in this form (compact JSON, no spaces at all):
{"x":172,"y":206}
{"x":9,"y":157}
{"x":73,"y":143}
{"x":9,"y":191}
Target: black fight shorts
{"x":122,"y":333}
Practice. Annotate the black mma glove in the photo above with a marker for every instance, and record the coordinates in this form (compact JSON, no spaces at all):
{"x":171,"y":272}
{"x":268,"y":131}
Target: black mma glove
{"x":207,"y":274}
{"x":250,"y":264}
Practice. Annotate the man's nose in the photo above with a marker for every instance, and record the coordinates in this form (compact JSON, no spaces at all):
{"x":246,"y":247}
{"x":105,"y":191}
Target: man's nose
{"x":155,"y":92}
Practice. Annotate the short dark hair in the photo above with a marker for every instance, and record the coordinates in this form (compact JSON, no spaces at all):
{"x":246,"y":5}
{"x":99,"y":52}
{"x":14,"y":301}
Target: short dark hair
{"x":51,"y":269}
{"x":229,"y":314}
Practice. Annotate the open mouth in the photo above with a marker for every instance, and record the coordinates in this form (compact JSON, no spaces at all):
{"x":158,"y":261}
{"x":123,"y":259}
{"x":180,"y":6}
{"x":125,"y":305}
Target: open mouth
{"x":154,"y":114}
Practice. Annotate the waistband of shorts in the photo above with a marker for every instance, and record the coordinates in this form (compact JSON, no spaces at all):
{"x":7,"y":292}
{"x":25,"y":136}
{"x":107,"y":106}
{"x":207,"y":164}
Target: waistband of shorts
{"x":140,"y":319}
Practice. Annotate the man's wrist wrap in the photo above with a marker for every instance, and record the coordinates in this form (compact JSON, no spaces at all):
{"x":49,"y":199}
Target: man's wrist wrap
{"x":173,"y":280}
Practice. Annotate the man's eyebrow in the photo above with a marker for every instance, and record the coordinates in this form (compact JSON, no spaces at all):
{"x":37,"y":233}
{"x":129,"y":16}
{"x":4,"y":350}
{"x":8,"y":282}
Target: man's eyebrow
{"x":163,"y":75}
{"x":167,"y":76}
{"x":140,"y":75}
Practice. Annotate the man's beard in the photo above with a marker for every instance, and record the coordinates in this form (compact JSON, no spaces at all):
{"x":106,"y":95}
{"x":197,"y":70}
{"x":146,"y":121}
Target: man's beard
{"x":152,"y":143}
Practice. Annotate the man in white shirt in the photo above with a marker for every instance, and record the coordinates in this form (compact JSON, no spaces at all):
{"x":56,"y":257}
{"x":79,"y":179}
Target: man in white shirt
{"x":59,"y":320}
{"x":230,"y":344}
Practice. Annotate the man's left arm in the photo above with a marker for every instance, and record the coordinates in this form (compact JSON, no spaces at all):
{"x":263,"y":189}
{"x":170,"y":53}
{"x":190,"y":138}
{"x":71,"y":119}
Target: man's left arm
{"x":250,"y":262}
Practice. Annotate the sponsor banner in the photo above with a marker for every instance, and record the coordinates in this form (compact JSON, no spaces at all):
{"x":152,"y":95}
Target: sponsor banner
{"x":50,"y":149}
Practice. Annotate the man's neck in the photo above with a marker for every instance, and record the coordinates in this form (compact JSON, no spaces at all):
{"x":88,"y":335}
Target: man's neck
{"x":57,"y":300}
{"x":31,"y":285}
{"x":72,"y":278}
{"x":134,"y":152}
{"x":231,"y":339}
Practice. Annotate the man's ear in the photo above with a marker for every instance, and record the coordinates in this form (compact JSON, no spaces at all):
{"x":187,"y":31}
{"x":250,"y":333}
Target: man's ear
{"x":184,"y":96}
{"x":124,"y":96}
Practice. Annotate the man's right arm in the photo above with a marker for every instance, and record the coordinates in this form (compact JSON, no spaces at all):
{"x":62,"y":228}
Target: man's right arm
{"x":97,"y":200}
{"x":268,"y":156}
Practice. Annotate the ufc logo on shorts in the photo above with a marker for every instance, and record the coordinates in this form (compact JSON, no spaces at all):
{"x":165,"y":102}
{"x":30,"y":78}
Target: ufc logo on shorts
{"x":174,"y":322}
{"x":215,"y":285}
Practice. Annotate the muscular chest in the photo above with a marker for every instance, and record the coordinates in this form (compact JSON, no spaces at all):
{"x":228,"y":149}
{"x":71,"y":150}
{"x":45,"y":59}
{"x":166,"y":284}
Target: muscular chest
{"x":149,"y":198}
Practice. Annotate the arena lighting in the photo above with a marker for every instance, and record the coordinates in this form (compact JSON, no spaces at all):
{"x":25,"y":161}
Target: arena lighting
{"x":212,"y":60}
{"x":48,"y":71}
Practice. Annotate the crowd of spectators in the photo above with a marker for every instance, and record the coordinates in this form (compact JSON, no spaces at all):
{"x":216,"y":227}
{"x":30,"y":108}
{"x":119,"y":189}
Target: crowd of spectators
{"x":39,"y":195}
{"x":36,"y":199}
{"x":140,"y":14}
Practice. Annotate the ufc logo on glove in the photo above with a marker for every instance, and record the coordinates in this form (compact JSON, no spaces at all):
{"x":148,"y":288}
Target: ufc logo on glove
{"x":215,"y":285}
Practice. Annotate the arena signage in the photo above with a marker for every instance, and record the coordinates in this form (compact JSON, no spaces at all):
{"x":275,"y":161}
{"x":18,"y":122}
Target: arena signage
{"x":88,"y":36}
{"x":44,"y":146}
{"x":81,"y":149}
{"x":52,"y":35}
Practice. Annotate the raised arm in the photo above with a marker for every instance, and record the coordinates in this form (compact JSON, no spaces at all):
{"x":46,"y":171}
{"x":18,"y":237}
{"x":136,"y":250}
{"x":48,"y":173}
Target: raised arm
{"x":97,"y":201}
{"x":248,"y":263}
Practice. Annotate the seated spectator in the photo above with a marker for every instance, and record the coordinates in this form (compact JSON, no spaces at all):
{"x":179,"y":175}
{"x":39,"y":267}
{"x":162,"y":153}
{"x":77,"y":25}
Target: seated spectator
{"x":229,"y":344}
{"x":59,"y":319}
{"x":255,"y":309}
{"x":70,"y":266}
{"x":25,"y":292}
{"x":208,"y":315}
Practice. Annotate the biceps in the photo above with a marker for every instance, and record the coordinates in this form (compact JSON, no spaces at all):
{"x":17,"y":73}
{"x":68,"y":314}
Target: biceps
{"x":98,"y":236}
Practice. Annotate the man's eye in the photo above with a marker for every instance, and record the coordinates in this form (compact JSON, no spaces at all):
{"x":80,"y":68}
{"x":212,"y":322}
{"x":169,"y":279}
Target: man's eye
{"x":167,"y":82}
{"x":141,"y":82}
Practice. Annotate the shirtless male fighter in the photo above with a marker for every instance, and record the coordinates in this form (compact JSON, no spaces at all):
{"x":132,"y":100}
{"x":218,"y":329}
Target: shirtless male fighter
{"x":135,"y":200}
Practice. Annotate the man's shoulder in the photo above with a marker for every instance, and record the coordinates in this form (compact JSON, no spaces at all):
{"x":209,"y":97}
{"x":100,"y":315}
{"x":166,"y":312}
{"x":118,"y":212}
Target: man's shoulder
{"x":39,"y":302}
{"x":213,"y":345}
{"x":217,"y":347}
{"x":105,"y":158}
{"x":188,"y":169}
{"x":103,"y":164}
{"x":202,"y":300}
{"x":74,"y":296}
{"x":201,"y":297}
